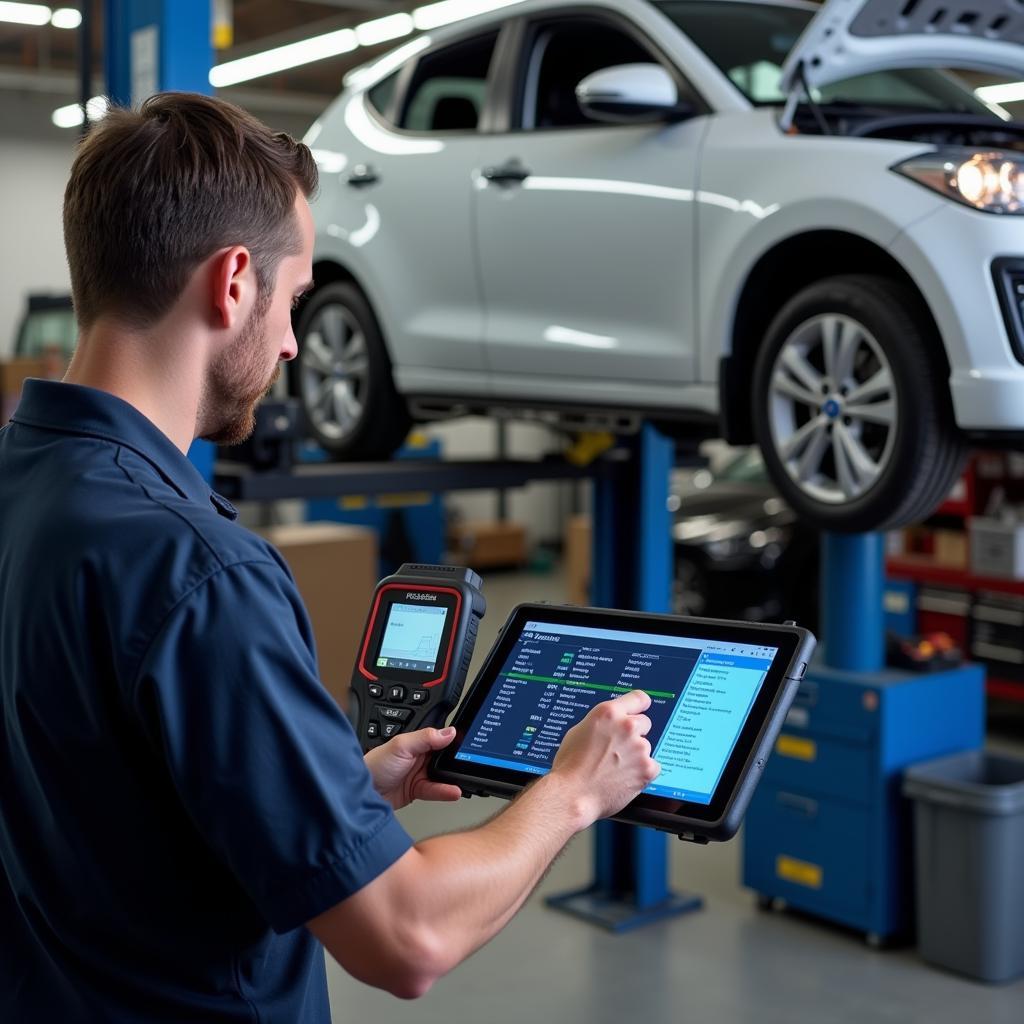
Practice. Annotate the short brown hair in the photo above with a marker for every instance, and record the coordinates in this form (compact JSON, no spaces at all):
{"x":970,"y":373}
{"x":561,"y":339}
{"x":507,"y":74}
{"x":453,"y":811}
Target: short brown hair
{"x":155,"y":191}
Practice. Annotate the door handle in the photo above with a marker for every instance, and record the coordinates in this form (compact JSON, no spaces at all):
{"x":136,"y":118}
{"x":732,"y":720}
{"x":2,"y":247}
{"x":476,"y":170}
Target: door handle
{"x":511,"y":173}
{"x":363,"y":175}
{"x":801,"y":804}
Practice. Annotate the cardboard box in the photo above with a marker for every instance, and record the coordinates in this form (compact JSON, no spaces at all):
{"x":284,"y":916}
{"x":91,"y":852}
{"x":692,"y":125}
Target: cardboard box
{"x":950,"y":548}
{"x":488,"y":544}
{"x":577,"y":559}
{"x":335,"y":567}
{"x":13,"y":374}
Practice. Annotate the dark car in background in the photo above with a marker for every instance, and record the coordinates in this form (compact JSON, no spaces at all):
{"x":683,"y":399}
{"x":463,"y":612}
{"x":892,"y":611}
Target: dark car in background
{"x":740,"y":550}
{"x":47,"y":328}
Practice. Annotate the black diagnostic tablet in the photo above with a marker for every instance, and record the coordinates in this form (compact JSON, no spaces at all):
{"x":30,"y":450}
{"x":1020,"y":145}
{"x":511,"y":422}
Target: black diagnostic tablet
{"x":719,"y":694}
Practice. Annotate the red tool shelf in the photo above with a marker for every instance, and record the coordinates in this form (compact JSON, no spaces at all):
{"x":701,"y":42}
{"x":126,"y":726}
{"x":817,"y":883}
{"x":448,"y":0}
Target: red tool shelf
{"x":921,"y":569}
{"x":985,"y":472}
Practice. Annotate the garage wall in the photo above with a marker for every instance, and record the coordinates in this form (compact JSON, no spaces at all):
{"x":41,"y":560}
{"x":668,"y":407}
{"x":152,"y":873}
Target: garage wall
{"x":33,"y":173}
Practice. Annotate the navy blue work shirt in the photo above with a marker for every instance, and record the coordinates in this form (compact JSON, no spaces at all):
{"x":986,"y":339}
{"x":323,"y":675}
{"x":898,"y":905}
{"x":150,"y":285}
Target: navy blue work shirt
{"x":178,"y":792}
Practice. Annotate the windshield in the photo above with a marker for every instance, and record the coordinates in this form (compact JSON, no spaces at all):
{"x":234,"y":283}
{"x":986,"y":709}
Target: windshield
{"x":749,"y":43}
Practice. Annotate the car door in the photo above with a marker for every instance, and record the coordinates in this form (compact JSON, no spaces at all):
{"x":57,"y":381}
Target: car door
{"x":404,"y":222}
{"x":586,"y":229}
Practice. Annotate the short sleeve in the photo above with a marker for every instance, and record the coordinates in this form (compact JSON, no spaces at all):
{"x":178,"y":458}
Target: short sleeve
{"x":264,"y":762}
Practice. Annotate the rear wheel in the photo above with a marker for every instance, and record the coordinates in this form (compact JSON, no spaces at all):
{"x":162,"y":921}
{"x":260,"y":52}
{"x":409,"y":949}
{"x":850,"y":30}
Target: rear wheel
{"x":342,"y":375}
{"x":851,"y":409}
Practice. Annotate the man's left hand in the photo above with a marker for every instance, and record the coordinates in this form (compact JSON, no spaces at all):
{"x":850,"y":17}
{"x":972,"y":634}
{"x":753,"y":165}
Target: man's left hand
{"x":399,"y":767}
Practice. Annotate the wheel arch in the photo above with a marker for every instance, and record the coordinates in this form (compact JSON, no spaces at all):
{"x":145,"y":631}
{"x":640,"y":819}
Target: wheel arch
{"x":328,"y":270}
{"x":797,"y":262}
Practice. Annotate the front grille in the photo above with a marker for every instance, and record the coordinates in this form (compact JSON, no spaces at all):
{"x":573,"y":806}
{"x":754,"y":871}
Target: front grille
{"x":1008,"y":275}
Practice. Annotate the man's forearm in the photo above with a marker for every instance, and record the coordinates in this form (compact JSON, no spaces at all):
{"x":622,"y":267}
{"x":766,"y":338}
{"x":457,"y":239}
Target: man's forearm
{"x":447,"y":896}
{"x":450,"y":894}
{"x":483,"y":876}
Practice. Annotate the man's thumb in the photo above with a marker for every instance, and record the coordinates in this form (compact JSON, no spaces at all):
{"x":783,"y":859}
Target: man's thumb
{"x":424,"y":740}
{"x":440,"y":738}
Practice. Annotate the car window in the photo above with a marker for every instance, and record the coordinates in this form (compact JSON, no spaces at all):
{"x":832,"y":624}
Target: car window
{"x":749,"y":42}
{"x":746,"y":468}
{"x":560,"y":55}
{"x":382,"y":95}
{"x":449,"y":86}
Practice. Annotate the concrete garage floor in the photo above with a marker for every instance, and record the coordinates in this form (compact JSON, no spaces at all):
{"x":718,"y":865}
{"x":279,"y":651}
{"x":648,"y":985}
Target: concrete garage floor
{"x":729,"y":963}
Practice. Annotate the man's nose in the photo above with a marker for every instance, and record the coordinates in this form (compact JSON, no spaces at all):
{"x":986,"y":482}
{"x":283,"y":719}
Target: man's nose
{"x":290,"y":348}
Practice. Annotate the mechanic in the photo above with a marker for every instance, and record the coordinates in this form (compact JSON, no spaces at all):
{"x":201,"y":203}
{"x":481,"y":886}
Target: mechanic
{"x":185,"y":815}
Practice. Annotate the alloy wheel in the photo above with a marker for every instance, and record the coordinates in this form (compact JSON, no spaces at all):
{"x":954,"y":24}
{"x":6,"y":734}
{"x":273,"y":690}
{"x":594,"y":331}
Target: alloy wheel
{"x":334,"y":371}
{"x":833,"y":408}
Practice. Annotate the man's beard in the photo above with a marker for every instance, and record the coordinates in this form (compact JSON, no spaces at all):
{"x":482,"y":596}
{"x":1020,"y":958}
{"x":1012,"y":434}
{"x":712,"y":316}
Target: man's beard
{"x":236,"y":383}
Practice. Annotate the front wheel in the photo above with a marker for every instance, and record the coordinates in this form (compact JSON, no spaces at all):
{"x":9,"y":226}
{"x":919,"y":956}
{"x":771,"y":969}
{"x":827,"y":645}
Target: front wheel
{"x":342,"y":374}
{"x":852,"y":412}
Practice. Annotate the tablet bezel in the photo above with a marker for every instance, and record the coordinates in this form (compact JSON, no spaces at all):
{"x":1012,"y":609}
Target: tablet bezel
{"x":720,"y":818}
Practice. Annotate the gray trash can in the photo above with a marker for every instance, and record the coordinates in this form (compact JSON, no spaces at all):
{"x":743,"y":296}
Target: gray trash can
{"x":969,"y":839}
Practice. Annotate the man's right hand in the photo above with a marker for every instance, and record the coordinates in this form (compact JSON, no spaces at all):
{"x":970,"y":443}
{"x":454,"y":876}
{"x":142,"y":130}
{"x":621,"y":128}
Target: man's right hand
{"x":607,"y":757}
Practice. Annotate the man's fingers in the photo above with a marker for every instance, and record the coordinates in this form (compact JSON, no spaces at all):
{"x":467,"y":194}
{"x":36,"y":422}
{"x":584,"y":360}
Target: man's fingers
{"x":634,"y":702}
{"x":438,"y":791}
{"x":642,"y":724}
{"x":423,"y":741}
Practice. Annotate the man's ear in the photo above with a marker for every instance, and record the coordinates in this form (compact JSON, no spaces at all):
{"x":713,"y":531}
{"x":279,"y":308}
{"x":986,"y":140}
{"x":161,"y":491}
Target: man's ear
{"x":232,"y":282}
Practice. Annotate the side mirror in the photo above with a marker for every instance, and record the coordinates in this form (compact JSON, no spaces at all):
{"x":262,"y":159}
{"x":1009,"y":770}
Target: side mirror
{"x":631,"y":94}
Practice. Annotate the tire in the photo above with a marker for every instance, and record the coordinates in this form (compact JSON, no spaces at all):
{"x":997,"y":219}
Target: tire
{"x":888,"y":458}
{"x":342,"y":375}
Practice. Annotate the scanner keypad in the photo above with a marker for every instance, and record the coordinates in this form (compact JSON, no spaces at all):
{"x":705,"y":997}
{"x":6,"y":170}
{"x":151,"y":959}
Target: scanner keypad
{"x":388,"y":720}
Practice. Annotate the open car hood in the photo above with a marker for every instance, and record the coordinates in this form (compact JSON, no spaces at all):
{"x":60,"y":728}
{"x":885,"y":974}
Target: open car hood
{"x":856,"y":37}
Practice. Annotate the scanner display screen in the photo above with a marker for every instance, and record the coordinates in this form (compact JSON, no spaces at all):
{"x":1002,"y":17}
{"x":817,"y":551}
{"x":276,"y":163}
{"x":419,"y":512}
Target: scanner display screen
{"x":701,"y":694}
{"x":412,"y":637}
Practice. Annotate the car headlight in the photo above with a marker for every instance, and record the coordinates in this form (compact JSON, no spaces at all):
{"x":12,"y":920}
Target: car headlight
{"x":991,"y":181}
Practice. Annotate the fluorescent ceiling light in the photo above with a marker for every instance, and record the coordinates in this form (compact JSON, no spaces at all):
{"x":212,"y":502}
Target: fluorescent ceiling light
{"x":444,"y":13}
{"x":71,"y":115}
{"x":389,"y":62}
{"x":1011,"y":92}
{"x":66,"y":17}
{"x":25,"y":14}
{"x":370,"y":33}
{"x":281,"y":58}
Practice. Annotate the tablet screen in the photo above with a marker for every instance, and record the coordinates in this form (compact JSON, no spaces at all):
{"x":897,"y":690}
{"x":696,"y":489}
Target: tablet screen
{"x":701,"y":693}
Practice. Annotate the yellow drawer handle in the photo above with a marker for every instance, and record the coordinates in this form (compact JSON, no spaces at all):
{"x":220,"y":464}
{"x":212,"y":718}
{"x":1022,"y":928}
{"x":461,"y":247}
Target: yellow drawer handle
{"x":799,"y":871}
{"x":796,"y":746}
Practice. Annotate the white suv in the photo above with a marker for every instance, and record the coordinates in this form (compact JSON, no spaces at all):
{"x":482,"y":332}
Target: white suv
{"x":771,"y":222}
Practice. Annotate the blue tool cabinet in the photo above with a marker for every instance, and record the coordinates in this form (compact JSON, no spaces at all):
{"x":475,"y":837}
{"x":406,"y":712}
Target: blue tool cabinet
{"x":828,"y":831}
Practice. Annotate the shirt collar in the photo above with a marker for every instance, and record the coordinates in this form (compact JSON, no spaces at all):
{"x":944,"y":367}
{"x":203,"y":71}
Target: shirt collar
{"x":89,"y":412}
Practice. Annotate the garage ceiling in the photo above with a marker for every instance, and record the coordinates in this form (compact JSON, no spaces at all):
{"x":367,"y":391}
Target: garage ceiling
{"x":41,"y":61}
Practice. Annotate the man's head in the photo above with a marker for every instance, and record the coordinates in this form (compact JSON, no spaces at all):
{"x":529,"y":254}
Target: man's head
{"x":190,"y":200}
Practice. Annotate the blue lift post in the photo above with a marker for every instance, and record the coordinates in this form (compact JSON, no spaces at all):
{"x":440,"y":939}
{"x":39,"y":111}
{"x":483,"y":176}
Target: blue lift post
{"x":632,"y":568}
{"x":155,"y":46}
{"x":852,"y":612}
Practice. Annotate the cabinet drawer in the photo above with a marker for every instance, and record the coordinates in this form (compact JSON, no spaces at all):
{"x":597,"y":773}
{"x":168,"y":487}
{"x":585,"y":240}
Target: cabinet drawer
{"x":811,"y":852}
{"x":821,"y":766}
{"x":831,"y":704}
